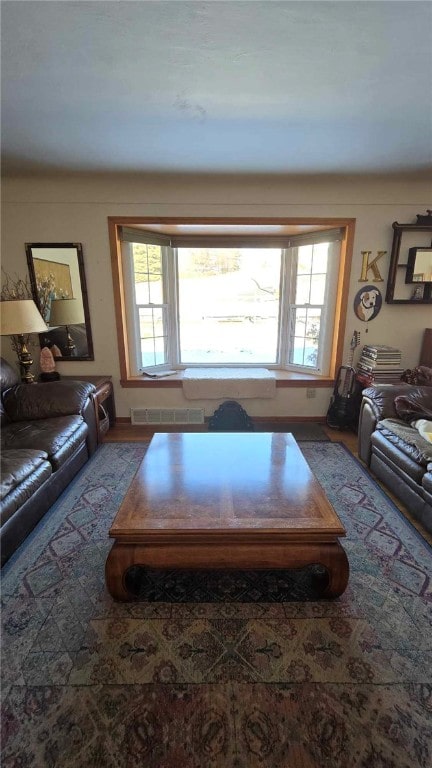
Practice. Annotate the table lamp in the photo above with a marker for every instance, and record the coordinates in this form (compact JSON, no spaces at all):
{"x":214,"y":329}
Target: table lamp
{"x":66,"y":312}
{"x":19,"y":318}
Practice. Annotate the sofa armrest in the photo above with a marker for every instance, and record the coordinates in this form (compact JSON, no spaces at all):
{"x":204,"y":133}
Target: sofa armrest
{"x":30,"y":402}
{"x":381,"y":399}
{"x":366,"y":425}
{"x":377,"y":404}
{"x":89,"y":416}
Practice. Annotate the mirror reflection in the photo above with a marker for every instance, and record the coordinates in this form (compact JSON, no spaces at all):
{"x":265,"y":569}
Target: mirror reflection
{"x":422,"y":266}
{"x":59,"y":289}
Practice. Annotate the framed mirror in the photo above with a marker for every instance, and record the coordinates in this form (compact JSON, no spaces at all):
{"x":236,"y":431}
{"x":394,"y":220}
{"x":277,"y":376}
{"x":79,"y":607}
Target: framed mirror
{"x":419,"y":266}
{"x":59,"y":289}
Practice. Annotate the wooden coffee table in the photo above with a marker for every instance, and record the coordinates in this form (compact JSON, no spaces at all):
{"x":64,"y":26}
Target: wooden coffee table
{"x":225,"y":500}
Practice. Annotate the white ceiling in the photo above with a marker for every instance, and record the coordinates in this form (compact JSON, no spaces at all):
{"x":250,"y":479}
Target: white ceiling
{"x":248,"y":86}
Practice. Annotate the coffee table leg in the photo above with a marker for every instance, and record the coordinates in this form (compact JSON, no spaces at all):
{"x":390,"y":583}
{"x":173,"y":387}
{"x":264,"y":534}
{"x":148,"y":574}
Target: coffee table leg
{"x":119,"y":560}
{"x":333,"y":558}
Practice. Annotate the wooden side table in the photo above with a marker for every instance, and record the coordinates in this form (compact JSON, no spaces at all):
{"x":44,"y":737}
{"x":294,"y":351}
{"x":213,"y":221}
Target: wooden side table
{"x":103,"y":399}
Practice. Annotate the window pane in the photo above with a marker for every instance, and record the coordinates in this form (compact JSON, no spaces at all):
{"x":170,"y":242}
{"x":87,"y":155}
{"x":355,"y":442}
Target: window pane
{"x":147,"y":260}
{"x":152,"y":352}
{"x":303,"y":290}
{"x":159,"y":351}
{"x":154,"y":255}
{"x":304,"y":260}
{"x":146,"y":325}
{"x":156,"y":290}
{"x":140,"y":263}
{"x":229,"y":304}
{"x":311,"y":273}
{"x":300,"y":322}
{"x":313,"y":323}
{"x":142,"y":292}
{"x":317,"y":289}
{"x":152,"y":337}
{"x":147,"y":268}
{"x":151,"y":321}
{"x":147,"y":353}
{"x":304,"y":342}
{"x":320,"y":257}
{"x":298,"y":351}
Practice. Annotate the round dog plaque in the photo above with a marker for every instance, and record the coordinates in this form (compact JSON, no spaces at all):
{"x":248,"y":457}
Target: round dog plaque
{"x":367,"y":303}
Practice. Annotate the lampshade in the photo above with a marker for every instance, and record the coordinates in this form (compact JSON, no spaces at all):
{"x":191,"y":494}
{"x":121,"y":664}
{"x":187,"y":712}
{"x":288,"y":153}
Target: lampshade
{"x":66,"y":312}
{"x":20,"y":317}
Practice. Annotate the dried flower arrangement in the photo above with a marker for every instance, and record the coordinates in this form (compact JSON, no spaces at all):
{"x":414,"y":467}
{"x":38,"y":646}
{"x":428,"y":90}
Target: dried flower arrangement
{"x":46,"y":291}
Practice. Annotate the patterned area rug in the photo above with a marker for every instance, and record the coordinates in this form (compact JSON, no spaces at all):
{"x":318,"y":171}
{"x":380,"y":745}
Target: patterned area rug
{"x":243,"y":673}
{"x":225,"y":586}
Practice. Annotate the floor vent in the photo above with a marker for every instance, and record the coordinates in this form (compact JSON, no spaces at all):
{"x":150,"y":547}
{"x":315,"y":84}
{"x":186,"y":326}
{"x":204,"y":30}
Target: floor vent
{"x":167,"y":415}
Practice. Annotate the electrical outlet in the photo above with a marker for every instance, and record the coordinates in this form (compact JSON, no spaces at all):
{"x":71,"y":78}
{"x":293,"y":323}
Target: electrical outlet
{"x":310,"y":393}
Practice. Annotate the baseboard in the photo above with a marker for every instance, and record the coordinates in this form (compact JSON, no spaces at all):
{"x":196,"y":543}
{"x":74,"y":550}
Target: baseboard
{"x":256,"y":419}
{"x":289,"y":419}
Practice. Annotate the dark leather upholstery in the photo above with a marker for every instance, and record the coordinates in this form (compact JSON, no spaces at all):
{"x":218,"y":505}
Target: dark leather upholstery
{"x":396,"y":455}
{"x":395,"y":451}
{"x":427,"y":480}
{"x":46,"y":400}
{"x":48,"y":433}
{"x":59,"y":437}
{"x":414,"y":406}
{"x":9,"y":377}
{"x":23,"y":472}
{"x":22,"y":522}
{"x":406,"y":440}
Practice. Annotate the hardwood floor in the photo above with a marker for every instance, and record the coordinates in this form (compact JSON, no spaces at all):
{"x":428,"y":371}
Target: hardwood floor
{"x":125,"y":432}
{"x":128,"y":433}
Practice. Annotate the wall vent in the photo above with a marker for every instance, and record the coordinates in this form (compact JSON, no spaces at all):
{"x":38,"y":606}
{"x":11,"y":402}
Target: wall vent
{"x":167,"y":415}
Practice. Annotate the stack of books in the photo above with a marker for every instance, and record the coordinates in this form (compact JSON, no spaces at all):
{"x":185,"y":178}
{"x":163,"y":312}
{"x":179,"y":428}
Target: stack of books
{"x":379,"y":364}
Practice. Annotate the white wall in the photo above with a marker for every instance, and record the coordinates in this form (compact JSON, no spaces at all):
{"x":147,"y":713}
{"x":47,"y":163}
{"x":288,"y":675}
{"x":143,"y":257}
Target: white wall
{"x":75,"y":209}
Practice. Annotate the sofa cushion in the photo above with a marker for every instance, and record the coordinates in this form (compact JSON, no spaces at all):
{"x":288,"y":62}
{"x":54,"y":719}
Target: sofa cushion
{"x":32,"y":402}
{"x":407,"y":440}
{"x":22,"y":472}
{"x":59,"y":437}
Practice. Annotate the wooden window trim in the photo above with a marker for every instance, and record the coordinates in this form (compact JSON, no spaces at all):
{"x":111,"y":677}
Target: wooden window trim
{"x":288,"y":378}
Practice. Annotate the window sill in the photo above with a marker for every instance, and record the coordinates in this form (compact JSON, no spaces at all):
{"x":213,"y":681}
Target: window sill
{"x":283,"y":379}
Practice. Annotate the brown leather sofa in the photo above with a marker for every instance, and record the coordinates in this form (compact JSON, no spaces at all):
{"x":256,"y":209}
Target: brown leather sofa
{"x":48,"y":432}
{"x":393,"y":448}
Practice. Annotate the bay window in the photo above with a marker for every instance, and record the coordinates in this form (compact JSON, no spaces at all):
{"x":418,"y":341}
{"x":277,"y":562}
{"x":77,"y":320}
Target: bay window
{"x":230,"y":301}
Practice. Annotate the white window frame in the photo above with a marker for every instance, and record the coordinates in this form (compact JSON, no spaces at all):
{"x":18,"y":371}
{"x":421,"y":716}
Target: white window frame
{"x":129,"y":237}
{"x":286,"y":304}
{"x":328,"y":309}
